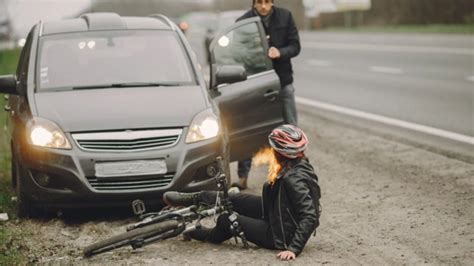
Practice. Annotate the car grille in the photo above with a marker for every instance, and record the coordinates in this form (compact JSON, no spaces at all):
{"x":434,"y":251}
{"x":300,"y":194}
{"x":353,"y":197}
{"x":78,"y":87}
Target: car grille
{"x":129,"y":183}
{"x":127,"y":140}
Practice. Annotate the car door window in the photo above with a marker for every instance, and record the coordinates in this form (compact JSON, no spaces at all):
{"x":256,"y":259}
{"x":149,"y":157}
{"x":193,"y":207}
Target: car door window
{"x":242,"y":46}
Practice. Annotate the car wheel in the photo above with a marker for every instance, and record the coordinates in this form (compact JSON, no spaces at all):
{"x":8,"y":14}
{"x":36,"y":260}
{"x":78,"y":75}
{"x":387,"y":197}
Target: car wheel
{"x":24,"y":208}
{"x":13,"y":170}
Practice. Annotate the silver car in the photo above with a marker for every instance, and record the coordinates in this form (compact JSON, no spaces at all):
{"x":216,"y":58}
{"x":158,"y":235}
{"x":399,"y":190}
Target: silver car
{"x":105,"y":109}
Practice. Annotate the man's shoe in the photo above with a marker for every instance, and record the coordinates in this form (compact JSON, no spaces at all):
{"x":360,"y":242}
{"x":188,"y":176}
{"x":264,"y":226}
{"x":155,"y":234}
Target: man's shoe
{"x":174,"y":198}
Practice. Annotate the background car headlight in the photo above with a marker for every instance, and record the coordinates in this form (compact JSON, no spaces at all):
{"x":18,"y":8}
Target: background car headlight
{"x":45,"y":133}
{"x":205,"y":125}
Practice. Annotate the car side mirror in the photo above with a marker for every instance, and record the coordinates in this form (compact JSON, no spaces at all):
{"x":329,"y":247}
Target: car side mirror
{"x":8,"y":84}
{"x":230,"y":74}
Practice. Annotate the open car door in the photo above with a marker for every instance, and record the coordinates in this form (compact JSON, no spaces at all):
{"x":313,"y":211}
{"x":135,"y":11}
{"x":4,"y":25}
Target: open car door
{"x":250,"y":109}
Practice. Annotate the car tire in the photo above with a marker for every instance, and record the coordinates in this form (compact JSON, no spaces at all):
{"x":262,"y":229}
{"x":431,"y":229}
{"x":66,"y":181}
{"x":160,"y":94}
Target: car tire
{"x":24,"y":208}
{"x":13,"y":170}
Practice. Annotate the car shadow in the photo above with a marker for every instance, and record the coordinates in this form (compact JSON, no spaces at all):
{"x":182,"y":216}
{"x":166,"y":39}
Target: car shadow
{"x":96,"y":214}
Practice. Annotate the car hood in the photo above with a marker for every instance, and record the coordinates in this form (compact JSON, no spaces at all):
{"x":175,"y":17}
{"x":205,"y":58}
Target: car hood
{"x":121,"y":108}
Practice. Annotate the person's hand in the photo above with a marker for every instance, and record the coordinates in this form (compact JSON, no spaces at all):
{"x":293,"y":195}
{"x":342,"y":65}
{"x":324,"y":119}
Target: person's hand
{"x":273,"y":53}
{"x":286,"y":255}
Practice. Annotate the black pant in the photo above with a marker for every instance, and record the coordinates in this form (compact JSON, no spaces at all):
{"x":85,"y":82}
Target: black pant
{"x":249,"y":208}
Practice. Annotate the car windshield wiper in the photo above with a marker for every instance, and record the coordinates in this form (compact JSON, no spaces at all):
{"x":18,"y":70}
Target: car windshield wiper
{"x":127,"y":85}
{"x":144,"y":84}
{"x":92,"y":87}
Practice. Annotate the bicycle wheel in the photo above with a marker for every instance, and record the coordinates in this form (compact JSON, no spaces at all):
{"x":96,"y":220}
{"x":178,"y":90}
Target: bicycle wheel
{"x":126,"y":238}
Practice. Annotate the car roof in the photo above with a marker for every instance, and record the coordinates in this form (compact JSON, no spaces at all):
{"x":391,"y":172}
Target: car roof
{"x":106,"y":21}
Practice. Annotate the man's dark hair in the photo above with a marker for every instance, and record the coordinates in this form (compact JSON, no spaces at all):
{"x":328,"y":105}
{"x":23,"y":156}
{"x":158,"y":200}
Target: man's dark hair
{"x":254,"y":2}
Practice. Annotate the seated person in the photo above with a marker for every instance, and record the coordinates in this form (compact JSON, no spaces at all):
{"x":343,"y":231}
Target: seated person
{"x":286,"y":214}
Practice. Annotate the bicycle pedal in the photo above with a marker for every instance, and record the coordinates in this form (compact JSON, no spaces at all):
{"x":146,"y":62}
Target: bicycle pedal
{"x":138,"y":207}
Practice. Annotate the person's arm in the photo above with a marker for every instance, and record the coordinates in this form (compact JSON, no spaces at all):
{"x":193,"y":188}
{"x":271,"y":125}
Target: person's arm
{"x":303,"y":206}
{"x":293,"y":48}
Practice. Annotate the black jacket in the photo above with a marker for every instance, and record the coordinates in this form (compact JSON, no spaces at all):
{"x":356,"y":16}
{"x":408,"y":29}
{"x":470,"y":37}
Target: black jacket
{"x":283,"y":35}
{"x":291,"y":205}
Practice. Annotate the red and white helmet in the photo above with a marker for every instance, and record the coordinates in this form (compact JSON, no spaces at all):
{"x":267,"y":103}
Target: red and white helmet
{"x":289,"y":141}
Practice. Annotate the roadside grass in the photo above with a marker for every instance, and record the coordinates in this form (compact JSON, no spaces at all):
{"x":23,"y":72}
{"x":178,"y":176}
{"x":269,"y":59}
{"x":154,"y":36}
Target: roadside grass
{"x":6,"y":193}
{"x":9,"y":254}
{"x":430,"y":28}
{"x":8,"y":61}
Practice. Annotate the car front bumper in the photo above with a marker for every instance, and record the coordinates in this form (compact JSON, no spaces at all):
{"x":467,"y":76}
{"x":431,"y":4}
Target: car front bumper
{"x":72,"y":181}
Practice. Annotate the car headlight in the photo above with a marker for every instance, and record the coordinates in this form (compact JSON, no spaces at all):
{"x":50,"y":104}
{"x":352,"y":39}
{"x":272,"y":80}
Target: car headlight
{"x":205,"y":125}
{"x":45,"y":133}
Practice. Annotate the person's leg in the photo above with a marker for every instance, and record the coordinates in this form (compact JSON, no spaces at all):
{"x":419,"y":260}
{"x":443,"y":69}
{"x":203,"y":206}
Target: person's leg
{"x":247,"y":205}
{"x":243,"y":169}
{"x":242,"y":203}
{"x":249,"y":208}
{"x":256,"y":231}
{"x":289,"y":105}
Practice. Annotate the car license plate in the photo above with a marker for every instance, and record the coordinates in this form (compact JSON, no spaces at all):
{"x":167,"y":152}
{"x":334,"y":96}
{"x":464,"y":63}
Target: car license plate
{"x":130,"y":168}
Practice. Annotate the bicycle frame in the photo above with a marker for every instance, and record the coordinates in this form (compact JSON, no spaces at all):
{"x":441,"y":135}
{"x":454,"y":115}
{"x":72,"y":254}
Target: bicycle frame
{"x":166,"y":223}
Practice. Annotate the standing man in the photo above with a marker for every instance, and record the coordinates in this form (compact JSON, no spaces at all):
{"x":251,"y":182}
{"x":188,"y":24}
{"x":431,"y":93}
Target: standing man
{"x":284,"y":43}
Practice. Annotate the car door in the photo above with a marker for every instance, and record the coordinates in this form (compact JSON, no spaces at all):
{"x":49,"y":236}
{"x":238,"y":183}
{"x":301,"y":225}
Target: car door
{"x":18,"y":104}
{"x":249,"y":109}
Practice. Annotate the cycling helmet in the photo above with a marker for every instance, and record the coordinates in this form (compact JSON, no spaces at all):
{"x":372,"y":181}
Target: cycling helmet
{"x":289,"y":141}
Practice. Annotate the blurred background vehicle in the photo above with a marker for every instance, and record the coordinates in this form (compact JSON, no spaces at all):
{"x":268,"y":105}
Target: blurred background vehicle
{"x":195,"y":26}
{"x":5,"y":26}
{"x":196,"y":23}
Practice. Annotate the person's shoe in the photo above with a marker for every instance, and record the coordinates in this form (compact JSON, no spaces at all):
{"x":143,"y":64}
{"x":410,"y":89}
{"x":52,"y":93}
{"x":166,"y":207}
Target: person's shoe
{"x":200,"y":234}
{"x":174,"y":198}
{"x":233,"y":190}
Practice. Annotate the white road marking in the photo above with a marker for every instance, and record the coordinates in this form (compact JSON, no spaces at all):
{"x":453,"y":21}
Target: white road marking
{"x":387,"y":120}
{"x":318,"y":63}
{"x":471,"y":78}
{"x":386,"y":48}
{"x":386,"y":70}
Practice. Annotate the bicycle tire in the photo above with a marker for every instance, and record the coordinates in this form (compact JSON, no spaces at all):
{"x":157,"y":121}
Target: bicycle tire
{"x":126,"y":238}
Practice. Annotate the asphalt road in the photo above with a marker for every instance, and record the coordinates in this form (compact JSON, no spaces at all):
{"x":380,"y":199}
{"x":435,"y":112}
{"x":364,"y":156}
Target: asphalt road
{"x":415,"y":86}
{"x":418,"y":78}
{"x":384,"y":203}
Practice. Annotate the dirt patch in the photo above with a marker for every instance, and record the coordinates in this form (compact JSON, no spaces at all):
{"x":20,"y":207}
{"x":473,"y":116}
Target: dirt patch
{"x":384,"y":202}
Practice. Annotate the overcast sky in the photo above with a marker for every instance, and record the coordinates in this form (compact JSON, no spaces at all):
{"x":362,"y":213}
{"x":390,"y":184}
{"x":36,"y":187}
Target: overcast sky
{"x":25,"y":13}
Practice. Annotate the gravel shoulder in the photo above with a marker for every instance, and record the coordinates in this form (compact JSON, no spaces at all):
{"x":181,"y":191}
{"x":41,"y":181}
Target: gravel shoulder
{"x":384,"y":202}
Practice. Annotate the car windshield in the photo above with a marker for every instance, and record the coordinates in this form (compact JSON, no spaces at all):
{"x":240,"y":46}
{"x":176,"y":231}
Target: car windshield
{"x":97,"y":59}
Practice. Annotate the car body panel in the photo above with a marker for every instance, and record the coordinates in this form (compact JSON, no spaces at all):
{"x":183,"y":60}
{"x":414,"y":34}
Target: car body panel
{"x":107,"y":109}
